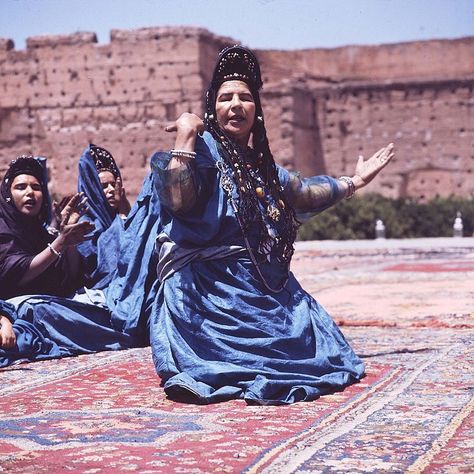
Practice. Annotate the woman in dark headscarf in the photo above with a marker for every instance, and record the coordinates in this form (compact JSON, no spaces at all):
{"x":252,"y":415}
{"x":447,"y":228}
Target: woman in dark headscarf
{"x":230,"y":320}
{"x":31,"y":259}
{"x":111,"y":316}
{"x":42,"y":326}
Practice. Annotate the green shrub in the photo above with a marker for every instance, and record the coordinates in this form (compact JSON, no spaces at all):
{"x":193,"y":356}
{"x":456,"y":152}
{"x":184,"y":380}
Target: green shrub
{"x":403,"y":218}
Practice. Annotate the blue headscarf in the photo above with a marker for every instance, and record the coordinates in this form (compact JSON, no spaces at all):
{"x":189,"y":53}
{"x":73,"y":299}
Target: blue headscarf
{"x":100,"y":213}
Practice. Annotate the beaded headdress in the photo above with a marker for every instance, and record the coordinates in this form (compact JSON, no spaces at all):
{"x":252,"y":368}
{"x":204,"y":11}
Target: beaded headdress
{"x":24,"y":164}
{"x":236,"y":63}
{"x":103,"y":160}
{"x":251,"y":173}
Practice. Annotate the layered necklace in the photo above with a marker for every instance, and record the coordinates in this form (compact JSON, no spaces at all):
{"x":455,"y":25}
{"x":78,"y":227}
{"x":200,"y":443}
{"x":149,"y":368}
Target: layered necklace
{"x":241,"y":176}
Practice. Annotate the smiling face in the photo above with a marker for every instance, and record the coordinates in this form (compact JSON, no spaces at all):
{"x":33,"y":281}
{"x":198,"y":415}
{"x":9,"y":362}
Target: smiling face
{"x":27,"y":194}
{"x":107,"y":180}
{"x":235,"y":111}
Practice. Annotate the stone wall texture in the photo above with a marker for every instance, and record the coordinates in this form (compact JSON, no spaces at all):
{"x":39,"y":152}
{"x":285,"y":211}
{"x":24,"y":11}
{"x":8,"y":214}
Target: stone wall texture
{"x":323,"y":107}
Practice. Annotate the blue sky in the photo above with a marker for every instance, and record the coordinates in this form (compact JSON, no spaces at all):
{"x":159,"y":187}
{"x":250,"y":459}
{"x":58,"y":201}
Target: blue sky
{"x":270,"y":24}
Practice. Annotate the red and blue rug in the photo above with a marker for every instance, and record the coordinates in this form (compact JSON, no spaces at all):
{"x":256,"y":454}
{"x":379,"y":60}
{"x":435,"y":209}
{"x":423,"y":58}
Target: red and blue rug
{"x":106,"y":413}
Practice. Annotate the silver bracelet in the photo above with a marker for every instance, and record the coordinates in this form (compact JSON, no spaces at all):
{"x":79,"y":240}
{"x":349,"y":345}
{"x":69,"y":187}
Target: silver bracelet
{"x":351,"y":186}
{"x":183,"y":154}
{"x":54,"y":251}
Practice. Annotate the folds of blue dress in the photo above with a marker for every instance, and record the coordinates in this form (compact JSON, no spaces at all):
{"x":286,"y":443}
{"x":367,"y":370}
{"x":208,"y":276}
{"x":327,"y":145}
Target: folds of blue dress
{"x":50,"y":327}
{"x":114,"y":314}
{"x":104,"y":218}
{"x":216,"y":331}
{"x":132,"y":287}
{"x":121,"y":252}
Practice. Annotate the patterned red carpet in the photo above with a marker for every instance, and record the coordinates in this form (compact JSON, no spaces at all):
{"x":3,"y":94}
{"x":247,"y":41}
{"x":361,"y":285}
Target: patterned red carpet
{"x":409,"y":313}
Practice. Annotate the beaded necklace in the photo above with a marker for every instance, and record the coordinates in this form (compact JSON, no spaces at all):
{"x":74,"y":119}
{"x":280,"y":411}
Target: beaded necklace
{"x":230,"y":178}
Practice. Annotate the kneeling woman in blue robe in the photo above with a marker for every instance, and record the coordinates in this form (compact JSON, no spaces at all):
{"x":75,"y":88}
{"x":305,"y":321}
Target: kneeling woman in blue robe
{"x":230,"y":320}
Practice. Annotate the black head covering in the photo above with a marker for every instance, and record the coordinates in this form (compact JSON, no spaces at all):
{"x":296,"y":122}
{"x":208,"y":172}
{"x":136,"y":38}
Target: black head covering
{"x":277,"y":233}
{"x":30,"y":166}
{"x":103,"y":160}
{"x":21,"y":236}
{"x":236,"y":63}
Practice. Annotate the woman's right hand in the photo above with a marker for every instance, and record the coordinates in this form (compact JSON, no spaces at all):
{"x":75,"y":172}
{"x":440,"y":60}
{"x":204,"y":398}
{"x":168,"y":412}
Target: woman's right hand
{"x":71,"y":231}
{"x":187,"y":127}
{"x":123,"y":207}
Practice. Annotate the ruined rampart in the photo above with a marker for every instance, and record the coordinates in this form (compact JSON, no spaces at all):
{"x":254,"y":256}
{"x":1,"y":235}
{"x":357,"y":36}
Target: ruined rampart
{"x":323,"y":107}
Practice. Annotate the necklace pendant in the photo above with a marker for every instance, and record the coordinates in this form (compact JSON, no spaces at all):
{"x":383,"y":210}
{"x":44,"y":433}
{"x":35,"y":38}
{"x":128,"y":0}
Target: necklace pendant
{"x":273,"y":213}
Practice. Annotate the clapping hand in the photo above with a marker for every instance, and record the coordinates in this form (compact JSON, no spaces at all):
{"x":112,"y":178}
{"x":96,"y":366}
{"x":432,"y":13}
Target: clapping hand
{"x":123,"y":204}
{"x":71,"y":229}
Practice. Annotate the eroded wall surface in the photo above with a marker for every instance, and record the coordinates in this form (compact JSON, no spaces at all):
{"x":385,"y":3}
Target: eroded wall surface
{"x":323,"y":107}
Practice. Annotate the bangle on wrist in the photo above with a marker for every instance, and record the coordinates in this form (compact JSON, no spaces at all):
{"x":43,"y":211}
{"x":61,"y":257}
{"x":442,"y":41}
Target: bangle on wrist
{"x":183,"y":154}
{"x":54,"y":251}
{"x":351,"y":186}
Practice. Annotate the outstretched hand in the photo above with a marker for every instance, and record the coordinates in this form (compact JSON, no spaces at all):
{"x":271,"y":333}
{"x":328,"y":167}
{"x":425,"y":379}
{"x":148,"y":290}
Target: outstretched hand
{"x":75,"y":208}
{"x":367,"y":170}
{"x":58,"y":208}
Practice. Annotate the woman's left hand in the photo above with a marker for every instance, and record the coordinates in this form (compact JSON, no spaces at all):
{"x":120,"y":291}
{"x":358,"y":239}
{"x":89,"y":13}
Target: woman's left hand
{"x":367,"y":170}
{"x":7,"y":335}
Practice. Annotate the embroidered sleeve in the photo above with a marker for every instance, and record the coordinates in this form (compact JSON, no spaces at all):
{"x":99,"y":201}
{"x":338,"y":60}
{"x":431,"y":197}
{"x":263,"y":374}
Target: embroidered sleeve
{"x":313,"y":195}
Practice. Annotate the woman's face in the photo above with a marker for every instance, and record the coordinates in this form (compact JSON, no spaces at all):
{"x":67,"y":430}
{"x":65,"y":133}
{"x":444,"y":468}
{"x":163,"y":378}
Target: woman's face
{"x":235,"y":110}
{"x":107,"y":180}
{"x":27,"y":194}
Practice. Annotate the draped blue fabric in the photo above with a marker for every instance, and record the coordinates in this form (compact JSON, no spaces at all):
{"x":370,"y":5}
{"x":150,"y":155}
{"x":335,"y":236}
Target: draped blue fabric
{"x":103,"y":216}
{"x":111,"y":316}
{"x":50,"y":327}
{"x":132,"y":287}
{"x":217,"y":333}
{"x":122,"y":251}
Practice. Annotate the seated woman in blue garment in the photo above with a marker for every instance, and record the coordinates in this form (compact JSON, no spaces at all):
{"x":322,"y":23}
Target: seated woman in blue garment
{"x":38,"y":271}
{"x":120,"y":252}
{"x":100,"y":181}
{"x":230,"y":320}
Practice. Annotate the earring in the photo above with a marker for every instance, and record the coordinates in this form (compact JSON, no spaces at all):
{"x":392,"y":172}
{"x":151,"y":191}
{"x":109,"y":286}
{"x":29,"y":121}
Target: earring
{"x":8,"y":199}
{"x":259,"y":118}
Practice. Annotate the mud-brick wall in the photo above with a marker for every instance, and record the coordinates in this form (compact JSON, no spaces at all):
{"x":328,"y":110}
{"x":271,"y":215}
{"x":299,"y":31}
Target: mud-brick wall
{"x":322,"y":107}
{"x":291,"y":128}
{"x":63,"y":92}
{"x":416,"y":60}
{"x":431,"y":124}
